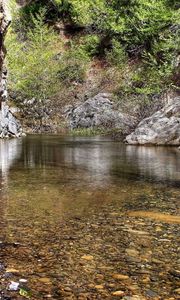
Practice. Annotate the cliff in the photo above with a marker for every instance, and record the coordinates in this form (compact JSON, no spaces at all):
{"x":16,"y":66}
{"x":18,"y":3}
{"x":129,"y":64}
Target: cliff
{"x":9,"y":126}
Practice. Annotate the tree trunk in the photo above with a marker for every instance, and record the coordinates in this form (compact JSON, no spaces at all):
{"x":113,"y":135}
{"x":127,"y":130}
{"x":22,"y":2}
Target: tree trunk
{"x":9,"y":126}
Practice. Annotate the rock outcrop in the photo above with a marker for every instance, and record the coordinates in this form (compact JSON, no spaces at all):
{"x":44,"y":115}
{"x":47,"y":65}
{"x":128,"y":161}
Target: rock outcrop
{"x":9,"y":126}
{"x":99,"y":111}
{"x":162,"y":128}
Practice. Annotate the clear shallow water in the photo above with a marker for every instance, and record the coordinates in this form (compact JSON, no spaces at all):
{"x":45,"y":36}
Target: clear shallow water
{"x":61,"y":195}
{"x":99,"y":158}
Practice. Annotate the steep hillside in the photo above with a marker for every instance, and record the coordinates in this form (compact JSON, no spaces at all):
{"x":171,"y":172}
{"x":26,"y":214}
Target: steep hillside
{"x":63,"y":52}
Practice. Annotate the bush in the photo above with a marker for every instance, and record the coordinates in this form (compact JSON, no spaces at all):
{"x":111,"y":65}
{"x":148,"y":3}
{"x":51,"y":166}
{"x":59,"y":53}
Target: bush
{"x":90,"y":44}
{"x":73,"y":65}
{"x":117,"y":55}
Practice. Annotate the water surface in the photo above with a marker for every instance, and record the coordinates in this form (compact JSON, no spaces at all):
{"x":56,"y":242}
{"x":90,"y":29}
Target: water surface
{"x":76,"y":212}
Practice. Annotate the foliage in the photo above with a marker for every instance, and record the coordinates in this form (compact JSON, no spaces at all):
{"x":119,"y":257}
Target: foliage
{"x":133,"y":22}
{"x":32,"y":65}
{"x":116,"y":55}
{"x":73,"y":65}
{"x":38,"y":65}
{"x":144,"y":33}
{"x":90,"y":44}
{"x":145,"y":29}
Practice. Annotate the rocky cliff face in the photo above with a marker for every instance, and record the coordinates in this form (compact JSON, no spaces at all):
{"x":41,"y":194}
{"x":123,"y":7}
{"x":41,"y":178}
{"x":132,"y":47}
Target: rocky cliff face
{"x":9,"y":126}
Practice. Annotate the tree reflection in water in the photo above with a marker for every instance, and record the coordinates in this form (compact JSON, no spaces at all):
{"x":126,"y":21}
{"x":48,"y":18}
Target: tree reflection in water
{"x":10,"y":150}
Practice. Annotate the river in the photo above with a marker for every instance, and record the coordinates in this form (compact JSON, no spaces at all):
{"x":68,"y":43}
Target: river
{"x":88,"y":218}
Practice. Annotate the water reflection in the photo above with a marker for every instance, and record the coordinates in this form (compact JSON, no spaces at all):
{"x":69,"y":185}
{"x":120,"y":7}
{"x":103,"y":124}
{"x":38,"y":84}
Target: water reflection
{"x":101,"y":160}
{"x":155,"y":163}
{"x":10,"y":150}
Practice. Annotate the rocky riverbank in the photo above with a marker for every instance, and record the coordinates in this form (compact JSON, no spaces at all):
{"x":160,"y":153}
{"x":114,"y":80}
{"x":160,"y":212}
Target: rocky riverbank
{"x":161,"y":128}
{"x":99,"y":113}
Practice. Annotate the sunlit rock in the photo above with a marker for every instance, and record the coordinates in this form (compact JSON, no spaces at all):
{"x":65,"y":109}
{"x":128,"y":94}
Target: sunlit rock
{"x":162,"y":128}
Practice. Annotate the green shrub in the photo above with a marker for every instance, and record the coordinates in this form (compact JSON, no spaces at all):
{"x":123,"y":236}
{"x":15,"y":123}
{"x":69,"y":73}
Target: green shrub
{"x":117,"y":55}
{"x":73,"y":65}
{"x":144,"y":33}
{"x":32,"y":65}
{"x":90,"y":44}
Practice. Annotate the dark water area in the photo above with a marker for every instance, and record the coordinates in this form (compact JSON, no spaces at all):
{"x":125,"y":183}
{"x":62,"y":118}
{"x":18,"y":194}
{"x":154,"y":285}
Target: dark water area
{"x":89,"y":218}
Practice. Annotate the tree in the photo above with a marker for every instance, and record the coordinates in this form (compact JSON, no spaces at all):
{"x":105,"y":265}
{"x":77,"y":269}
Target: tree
{"x":32,"y":64}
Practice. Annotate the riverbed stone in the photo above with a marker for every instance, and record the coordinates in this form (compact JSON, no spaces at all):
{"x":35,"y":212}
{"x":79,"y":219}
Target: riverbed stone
{"x":120,"y":276}
{"x":132,"y":252}
{"x":133,"y":298}
{"x":87,"y":257}
{"x":118,"y":293}
{"x":151,"y":294}
{"x":99,"y":287}
{"x":177,"y":291}
{"x":162,"y":128}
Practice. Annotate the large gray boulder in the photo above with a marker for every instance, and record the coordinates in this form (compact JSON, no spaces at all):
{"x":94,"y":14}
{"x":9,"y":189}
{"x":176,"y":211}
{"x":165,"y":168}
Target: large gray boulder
{"x":162,"y":128}
{"x":99,"y":111}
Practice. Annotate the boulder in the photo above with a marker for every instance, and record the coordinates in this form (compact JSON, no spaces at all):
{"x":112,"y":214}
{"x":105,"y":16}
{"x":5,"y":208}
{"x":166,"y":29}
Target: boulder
{"x":99,"y":111}
{"x":162,"y":128}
